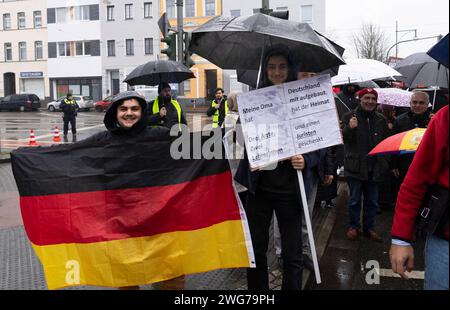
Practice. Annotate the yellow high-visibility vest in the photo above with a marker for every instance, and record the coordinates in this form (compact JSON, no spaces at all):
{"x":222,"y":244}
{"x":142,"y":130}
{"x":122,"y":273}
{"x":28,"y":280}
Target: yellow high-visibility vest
{"x":216,"y":114}
{"x":176,"y":105}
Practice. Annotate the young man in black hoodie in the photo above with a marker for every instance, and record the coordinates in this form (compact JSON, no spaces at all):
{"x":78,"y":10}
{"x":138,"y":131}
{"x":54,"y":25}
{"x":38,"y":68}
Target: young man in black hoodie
{"x":126,"y":122}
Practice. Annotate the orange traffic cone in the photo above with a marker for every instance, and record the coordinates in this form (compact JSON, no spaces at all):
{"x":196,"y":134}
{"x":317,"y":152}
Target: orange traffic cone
{"x":56,"y":137}
{"x":32,"y":138}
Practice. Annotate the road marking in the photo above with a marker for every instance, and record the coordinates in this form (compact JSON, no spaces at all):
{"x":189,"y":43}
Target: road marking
{"x":412,"y":275}
{"x":51,"y":135}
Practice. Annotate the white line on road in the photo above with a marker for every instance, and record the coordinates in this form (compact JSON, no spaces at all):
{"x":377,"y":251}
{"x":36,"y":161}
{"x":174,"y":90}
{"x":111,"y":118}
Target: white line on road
{"x":51,"y":135}
{"x":412,"y":275}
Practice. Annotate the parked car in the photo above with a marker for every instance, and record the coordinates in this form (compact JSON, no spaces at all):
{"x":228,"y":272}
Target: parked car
{"x":84,"y":102}
{"x":103,"y":105}
{"x":21,"y":102}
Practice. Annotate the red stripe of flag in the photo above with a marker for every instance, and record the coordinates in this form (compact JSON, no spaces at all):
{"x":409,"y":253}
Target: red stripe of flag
{"x":125,"y":213}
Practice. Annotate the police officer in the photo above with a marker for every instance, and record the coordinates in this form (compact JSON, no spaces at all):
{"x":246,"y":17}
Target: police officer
{"x":218,"y":109}
{"x":165,"y":111}
{"x":70,"y":108}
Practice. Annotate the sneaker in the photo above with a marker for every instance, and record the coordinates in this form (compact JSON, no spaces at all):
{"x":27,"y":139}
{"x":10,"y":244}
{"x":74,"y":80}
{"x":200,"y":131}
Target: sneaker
{"x":373,"y":235}
{"x":352,"y":233}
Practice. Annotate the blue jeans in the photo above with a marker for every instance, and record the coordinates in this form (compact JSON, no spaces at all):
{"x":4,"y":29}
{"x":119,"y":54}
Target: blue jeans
{"x":436,"y":263}
{"x":369,"y":190}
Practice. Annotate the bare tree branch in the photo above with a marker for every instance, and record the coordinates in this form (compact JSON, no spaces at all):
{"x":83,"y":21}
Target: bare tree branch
{"x":370,"y":42}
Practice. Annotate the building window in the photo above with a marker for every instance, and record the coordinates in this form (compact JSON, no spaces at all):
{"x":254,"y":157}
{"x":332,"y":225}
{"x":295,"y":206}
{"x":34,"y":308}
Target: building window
{"x":235,"y":13}
{"x":128,"y":11}
{"x":307,"y":14}
{"x":21,"y":20}
{"x":111,"y":48}
{"x":63,"y":49}
{"x":87,"y":47}
{"x":82,"y":12}
{"x":170,"y":8}
{"x":61,"y":15}
{"x":6,"y":21}
{"x":110,"y":12}
{"x":82,"y":48}
{"x":190,"y":8}
{"x":8,"y":52}
{"x":210,"y":7}
{"x":187,"y":86}
{"x":38,"y":52}
{"x":148,"y":46}
{"x":22,"y":51}
{"x":148,"y":10}
{"x":37,"y":16}
{"x":129,"y":47}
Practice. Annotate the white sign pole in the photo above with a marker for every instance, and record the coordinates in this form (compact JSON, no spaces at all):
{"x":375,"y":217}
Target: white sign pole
{"x":312,"y":245}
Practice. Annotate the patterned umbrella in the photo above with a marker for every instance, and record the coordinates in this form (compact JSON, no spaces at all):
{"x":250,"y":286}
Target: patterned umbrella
{"x":401,"y":143}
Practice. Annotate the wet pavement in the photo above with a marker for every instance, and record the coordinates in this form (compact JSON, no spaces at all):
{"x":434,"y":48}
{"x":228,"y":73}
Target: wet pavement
{"x":350,"y":264}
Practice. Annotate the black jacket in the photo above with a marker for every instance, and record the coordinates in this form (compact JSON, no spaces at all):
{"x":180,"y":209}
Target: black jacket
{"x":171,"y":117}
{"x":69,"y":109}
{"x":358,"y":142}
{"x":405,"y":122}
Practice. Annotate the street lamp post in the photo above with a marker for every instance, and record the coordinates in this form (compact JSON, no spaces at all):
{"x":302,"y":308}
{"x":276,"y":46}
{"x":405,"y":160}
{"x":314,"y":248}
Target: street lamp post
{"x":415,"y":39}
{"x":396,"y":36}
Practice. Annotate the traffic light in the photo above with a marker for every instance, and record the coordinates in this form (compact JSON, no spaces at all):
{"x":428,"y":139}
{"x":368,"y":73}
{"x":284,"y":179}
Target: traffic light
{"x":171,"y":49}
{"x":187,"y":60}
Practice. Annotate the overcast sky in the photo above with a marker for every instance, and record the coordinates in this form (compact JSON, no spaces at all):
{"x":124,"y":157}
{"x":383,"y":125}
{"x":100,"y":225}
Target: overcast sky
{"x":429,"y":17}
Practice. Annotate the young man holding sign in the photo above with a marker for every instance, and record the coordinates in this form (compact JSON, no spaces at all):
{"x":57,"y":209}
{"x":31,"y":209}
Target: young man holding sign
{"x":275,"y":190}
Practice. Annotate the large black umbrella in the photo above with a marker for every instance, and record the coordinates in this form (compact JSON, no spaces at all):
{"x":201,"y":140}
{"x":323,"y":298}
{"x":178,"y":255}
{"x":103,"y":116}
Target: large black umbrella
{"x":249,"y":77}
{"x":419,"y":69}
{"x":439,"y":51}
{"x":154,"y":72}
{"x":238,"y":42}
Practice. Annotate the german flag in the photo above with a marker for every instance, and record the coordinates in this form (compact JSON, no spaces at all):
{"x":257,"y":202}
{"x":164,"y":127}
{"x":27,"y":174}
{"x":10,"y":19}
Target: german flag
{"x":126,"y":213}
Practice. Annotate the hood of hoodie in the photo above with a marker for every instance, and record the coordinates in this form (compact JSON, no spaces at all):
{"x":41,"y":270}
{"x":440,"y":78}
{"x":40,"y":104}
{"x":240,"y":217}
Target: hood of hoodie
{"x":110,"y":119}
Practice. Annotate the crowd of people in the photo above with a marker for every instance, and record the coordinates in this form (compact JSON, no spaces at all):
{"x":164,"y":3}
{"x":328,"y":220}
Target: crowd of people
{"x":273,"y":195}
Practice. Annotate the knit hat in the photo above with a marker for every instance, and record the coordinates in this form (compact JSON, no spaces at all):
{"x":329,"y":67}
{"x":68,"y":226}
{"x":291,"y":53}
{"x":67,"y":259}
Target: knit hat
{"x":162,"y":86}
{"x":364,"y":91}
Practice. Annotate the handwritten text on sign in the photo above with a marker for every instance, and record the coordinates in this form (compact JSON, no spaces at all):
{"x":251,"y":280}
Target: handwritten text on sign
{"x":289,"y":119}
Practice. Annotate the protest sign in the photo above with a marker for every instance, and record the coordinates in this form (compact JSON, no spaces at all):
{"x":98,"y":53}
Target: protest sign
{"x":284,"y":120}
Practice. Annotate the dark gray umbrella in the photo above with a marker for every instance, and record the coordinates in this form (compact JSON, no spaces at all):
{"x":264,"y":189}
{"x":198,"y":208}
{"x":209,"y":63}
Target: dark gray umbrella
{"x":249,"y":77}
{"x":238,"y":42}
{"x":154,"y":72}
{"x":420,"y":69}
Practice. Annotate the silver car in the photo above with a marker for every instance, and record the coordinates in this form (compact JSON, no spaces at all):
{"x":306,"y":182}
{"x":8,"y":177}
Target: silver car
{"x":84,"y":102}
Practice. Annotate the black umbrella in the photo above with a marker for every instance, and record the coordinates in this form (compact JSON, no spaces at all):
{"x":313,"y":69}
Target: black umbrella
{"x":238,"y":42}
{"x":154,"y":72}
{"x":249,"y":77}
{"x":420,"y":69}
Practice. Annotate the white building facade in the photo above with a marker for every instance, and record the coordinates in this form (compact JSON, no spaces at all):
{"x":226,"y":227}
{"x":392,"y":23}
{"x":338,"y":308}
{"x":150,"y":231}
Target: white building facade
{"x":74,"y":60}
{"x":312,"y":12}
{"x":23,"y":48}
{"x":130,"y":36}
